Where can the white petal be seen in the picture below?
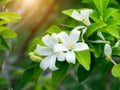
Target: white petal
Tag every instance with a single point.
(81, 46)
(79, 27)
(117, 43)
(49, 62)
(61, 56)
(70, 57)
(49, 41)
(74, 36)
(52, 61)
(101, 35)
(107, 50)
(45, 63)
(43, 50)
(64, 38)
(86, 22)
(59, 48)
(86, 13)
(75, 15)
(55, 38)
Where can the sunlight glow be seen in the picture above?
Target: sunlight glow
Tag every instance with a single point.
(30, 2)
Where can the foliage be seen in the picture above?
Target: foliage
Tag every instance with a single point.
(99, 29)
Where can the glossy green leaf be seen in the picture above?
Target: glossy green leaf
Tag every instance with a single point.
(31, 73)
(84, 59)
(110, 12)
(8, 33)
(95, 16)
(4, 2)
(3, 44)
(82, 74)
(3, 81)
(33, 44)
(113, 21)
(97, 51)
(116, 52)
(116, 71)
(112, 29)
(53, 29)
(101, 5)
(68, 12)
(59, 75)
(94, 27)
(3, 28)
(8, 17)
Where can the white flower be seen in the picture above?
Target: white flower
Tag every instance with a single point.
(83, 28)
(70, 44)
(108, 51)
(51, 56)
(83, 16)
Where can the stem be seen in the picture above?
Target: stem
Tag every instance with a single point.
(35, 29)
(113, 61)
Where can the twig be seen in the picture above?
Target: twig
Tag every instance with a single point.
(35, 29)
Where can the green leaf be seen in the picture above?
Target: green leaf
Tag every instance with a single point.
(59, 75)
(116, 52)
(116, 15)
(8, 17)
(112, 29)
(94, 27)
(4, 2)
(110, 12)
(68, 12)
(32, 73)
(116, 71)
(33, 44)
(3, 44)
(3, 28)
(101, 5)
(82, 74)
(3, 81)
(95, 16)
(113, 22)
(97, 48)
(8, 33)
(84, 59)
(53, 29)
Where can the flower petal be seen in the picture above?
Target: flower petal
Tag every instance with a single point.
(74, 36)
(45, 63)
(59, 48)
(75, 15)
(54, 38)
(81, 46)
(64, 38)
(52, 61)
(70, 57)
(107, 50)
(79, 27)
(49, 41)
(43, 50)
(61, 56)
(86, 13)
(49, 62)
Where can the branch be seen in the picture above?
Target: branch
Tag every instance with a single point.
(35, 29)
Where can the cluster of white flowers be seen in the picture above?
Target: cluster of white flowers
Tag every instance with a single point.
(61, 51)
(62, 46)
